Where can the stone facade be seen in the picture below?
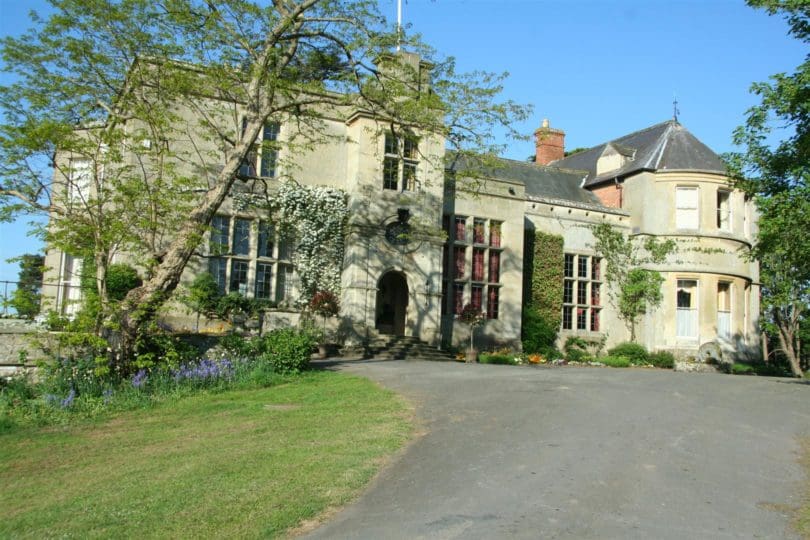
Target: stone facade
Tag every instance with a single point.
(423, 241)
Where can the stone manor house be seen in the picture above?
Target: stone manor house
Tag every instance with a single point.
(468, 238)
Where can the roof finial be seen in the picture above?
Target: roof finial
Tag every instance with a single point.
(675, 110)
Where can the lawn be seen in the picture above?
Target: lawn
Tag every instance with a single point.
(248, 463)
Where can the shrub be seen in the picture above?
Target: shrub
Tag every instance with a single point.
(506, 359)
(539, 334)
(662, 359)
(240, 347)
(742, 369)
(635, 353)
(287, 350)
(576, 349)
(121, 278)
(615, 361)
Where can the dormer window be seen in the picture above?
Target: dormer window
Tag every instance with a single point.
(613, 158)
(400, 162)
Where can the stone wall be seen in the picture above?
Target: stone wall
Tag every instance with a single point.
(18, 347)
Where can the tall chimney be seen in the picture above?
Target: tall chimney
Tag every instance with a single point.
(550, 144)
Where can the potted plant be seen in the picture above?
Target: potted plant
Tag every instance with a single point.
(325, 304)
(472, 316)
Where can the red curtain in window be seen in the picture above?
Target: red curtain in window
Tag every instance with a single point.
(459, 256)
(476, 296)
(478, 265)
(495, 234)
(458, 298)
(492, 303)
(461, 229)
(478, 232)
(494, 266)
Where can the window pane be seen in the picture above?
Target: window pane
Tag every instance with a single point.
(80, 174)
(478, 231)
(284, 283)
(217, 268)
(410, 147)
(266, 236)
(596, 294)
(461, 229)
(286, 245)
(569, 265)
(595, 320)
(241, 236)
(409, 177)
(239, 270)
(568, 292)
(724, 210)
(458, 297)
(391, 144)
(582, 319)
(478, 265)
(390, 173)
(582, 292)
(459, 256)
(596, 268)
(220, 232)
(582, 269)
(686, 208)
(495, 233)
(494, 266)
(493, 306)
(264, 280)
(269, 155)
(476, 296)
(567, 317)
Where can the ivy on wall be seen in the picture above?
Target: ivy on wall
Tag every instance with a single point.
(544, 272)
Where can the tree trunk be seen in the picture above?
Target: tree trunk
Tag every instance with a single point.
(787, 332)
(765, 353)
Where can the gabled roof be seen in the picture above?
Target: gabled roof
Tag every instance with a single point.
(664, 146)
(540, 182)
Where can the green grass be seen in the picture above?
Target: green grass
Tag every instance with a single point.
(246, 463)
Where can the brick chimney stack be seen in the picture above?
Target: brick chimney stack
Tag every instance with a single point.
(550, 144)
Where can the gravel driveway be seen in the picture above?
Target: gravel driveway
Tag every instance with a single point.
(522, 452)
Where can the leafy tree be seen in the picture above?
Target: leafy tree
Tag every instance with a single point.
(26, 297)
(153, 107)
(634, 290)
(777, 175)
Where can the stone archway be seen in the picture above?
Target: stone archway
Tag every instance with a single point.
(392, 303)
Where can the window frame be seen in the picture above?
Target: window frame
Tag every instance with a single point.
(400, 165)
(582, 292)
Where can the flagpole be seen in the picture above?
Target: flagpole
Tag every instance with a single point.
(399, 23)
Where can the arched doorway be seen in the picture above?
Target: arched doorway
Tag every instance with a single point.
(392, 303)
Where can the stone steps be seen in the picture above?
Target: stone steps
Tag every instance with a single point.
(402, 347)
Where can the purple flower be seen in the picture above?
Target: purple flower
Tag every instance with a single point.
(108, 393)
(139, 379)
(68, 401)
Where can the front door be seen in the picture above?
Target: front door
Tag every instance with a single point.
(392, 304)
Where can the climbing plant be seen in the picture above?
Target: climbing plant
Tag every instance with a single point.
(315, 216)
(544, 284)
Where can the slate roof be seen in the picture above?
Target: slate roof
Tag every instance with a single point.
(548, 182)
(664, 146)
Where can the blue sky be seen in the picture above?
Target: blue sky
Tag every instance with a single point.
(596, 69)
